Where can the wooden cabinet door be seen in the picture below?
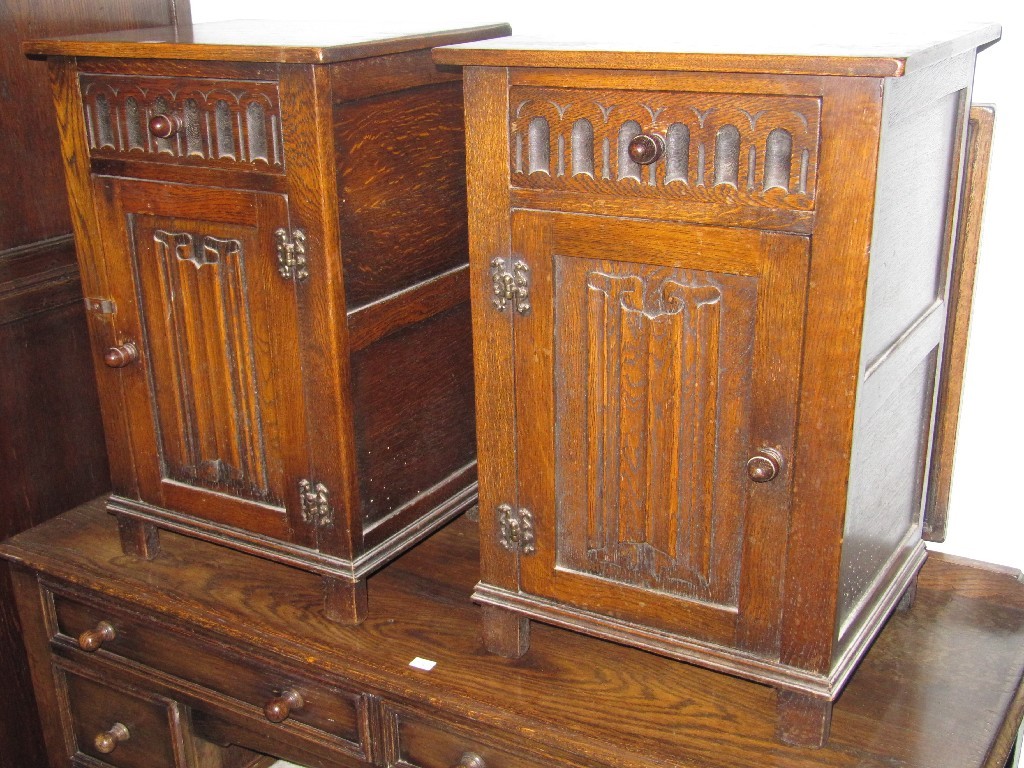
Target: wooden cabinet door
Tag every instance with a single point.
(654, 361)
(214, 404)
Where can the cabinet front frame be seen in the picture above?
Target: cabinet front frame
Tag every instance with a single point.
(841, 225)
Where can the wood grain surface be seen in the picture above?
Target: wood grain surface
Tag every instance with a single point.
(52, 451)
(294, 42)
(939, 688)
(877, 52)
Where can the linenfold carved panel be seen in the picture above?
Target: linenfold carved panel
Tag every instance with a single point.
(646, 364)
(219, 122)
(212, 434)
(719, 148)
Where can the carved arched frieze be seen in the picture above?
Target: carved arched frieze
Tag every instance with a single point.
(727, 148)
(219, 123)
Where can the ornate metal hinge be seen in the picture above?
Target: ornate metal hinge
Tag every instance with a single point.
(511, 286)
(291, 254)
(315, 503)
(99, 306)
(516, 530)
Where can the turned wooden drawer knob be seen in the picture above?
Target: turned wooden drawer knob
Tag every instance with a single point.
(471, 760)
(164, 126)
(646, 148)
(107, 741)
(277, 710)
(765, 466)
(92, 639)
(119, 357)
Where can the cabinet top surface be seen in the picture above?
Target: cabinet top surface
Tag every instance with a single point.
(938, 689)
(874, 53)
(302, 42)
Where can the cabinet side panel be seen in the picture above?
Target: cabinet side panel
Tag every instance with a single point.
(919, 170)
(401, 181)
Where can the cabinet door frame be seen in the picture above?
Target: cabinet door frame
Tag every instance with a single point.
(121, 201)
(781, 263)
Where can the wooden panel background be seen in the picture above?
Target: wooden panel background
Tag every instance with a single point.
(52, 454)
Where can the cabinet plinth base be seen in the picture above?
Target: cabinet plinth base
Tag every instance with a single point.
(345, 601)
(505, 633)
(803, 720)
(907, 601)
(138, 538)
(345, 595)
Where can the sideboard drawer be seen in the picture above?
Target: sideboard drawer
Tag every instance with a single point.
(424, 743)
(727, 149)
(283, 697)
(217, 123)
(119, 727)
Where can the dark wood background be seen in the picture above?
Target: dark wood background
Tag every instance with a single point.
(52, 453)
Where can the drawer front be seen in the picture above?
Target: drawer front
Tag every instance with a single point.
(293, 700)
(117, 726)
(425, 743)
(192, 121)
(728, 149)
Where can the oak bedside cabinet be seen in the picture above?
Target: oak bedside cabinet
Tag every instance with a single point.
(270, 223)
(709, 308)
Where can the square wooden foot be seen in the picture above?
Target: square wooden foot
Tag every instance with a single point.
(345, 601)
(803, 720)
(907, 601)
(138, 538)
(505, 633)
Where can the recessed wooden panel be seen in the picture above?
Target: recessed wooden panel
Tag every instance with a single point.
(920, 159)
(212, 434)
(412, 393)
(647, 361)
(402, 190)
(886, 492)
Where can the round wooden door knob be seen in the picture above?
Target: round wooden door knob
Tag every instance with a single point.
(278, 709)
(107, 741)
(164, 126)
(471, 760)
(646, 148)
(765, 466)
(92, 639)
(119, 357)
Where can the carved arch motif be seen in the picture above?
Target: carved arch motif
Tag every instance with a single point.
(762, 148)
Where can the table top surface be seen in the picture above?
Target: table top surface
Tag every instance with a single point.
(316, 42)
(877, 50)
(940, 688)
(790, 49)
